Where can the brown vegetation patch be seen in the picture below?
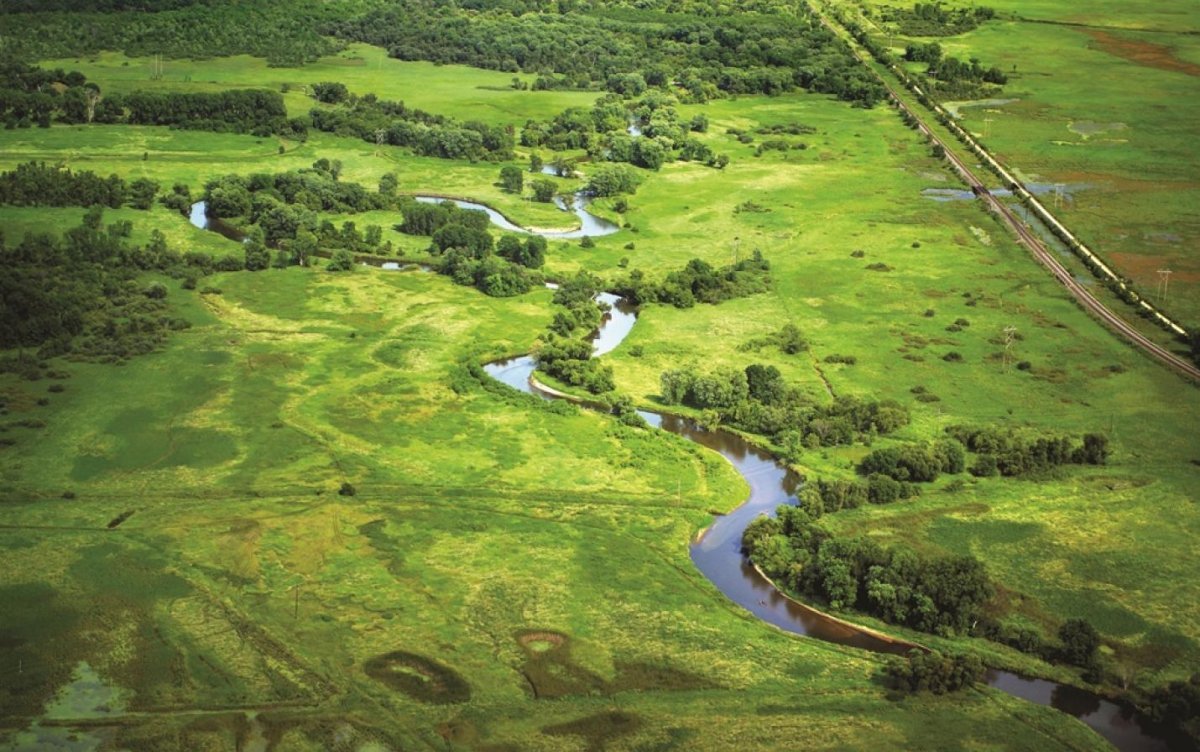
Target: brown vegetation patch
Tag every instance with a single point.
(1143, 268)
(418, 677)
(540, 641)
(1147, 54)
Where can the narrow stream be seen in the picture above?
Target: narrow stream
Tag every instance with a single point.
(589, 224)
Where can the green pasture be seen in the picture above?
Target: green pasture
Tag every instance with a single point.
(454, 90)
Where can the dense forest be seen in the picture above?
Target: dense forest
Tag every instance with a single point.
(285, 32)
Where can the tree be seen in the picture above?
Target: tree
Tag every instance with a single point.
(388, 184)
(511, 178)
(611, 180)
(142, 192)
(544, 190)
(330, 92)
(303, 247)
(342, 261)
(535, 163)
(257, 255)
(1079, 642)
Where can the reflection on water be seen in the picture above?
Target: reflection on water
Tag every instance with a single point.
(589, 224)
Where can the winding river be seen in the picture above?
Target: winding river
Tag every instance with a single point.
(717, 551)
(589, 224)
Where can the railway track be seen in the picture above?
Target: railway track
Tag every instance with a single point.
(1025, 236)
(1044, 256)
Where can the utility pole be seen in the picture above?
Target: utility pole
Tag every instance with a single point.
(1010, 333)
(1059, 192)
(1164, 282)
(380, 135)
(737, 242)
(987, 127)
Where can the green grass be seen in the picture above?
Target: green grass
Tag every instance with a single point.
(242, 580)
(458, 540)
(454, 90)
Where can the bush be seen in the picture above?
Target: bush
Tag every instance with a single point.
(933, 672)
(347, 490)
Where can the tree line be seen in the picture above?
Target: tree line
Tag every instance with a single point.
(38, 184)
(394, 123)
(765, 50)
(33, 96)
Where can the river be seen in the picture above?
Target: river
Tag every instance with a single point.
(717, 553)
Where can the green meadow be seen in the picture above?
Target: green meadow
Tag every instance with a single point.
(514, 574)
(454, 90)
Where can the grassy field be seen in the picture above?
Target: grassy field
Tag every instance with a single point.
(193, 158)
(1104, 103)
(454, 90)
(242, 582)
(511, 575)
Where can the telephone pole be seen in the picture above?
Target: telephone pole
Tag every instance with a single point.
(1059, 192)
(1164, 282)
(1010, 334)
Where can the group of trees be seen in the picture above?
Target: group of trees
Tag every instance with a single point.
(602, 131)
(938, 594)
(758, 400)
(396, 124)
(566, 352)
(285, 32)
(921, 671)
(1008, 452)
(80, 294)
(626, 49)
(30, 95)
(294, 197)
(949, 76)
(36, 184)
(467, 252)
(935, 20)
(699, 281)
(919, 463)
